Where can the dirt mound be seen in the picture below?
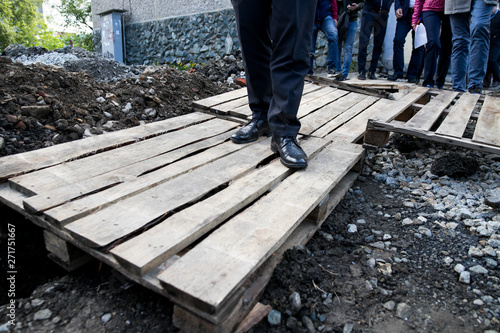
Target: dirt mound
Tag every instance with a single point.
(42, 105)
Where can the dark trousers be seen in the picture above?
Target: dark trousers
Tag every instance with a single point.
(376, 23)
(403, 26)
(493, 58)
(438, 48)
(275, 39)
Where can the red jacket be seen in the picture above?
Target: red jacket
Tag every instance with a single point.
(426, 5)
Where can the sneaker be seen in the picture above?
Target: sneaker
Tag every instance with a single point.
(341, 78)
(371, 76)
(495, 85)
(412, 80)
(475, 90)
(362, 76)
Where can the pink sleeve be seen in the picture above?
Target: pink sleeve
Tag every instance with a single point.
(333, 4)
(417, 11)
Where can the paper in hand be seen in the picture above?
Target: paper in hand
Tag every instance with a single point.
(420, 35)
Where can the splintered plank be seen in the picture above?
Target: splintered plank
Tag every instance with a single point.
(75, 171)
(38, 159)
(126, 216)
(384, 110)
(62, 212)
(430, 112)
(457, 119)
(488, 123)
(208, 275)
(320, 122)
(209, 102)
(312, 105)
(144, 252)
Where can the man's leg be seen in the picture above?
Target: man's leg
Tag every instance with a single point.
(348, 43)
(252, 19)
(315, 30)
(402, 29)
(379, 29)
(445, 51)
(460, 50)
(291, 26)
(493, 60)
(332, 36)
(480, 42)
(364, 38)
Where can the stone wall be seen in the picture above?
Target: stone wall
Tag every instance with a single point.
(203, 37)
(197, 38)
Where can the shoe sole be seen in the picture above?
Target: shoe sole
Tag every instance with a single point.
(275, 150)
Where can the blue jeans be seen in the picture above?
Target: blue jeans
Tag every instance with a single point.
(348, 43)
(471, 41)
(332, 36)
(438, 48)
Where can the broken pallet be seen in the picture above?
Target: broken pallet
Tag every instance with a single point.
(180, 209)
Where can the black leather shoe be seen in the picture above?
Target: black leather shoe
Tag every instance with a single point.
(395, 77)
(362, 76)
(412, 80)
(372, 76)
(251, 131)
(291, 155)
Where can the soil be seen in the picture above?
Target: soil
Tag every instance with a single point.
(377, 277)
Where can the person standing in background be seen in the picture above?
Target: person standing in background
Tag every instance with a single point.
(326, 21)
(275, 40)
(404, 13)
(470, 23)
(438, 47)
(493, 70)
(373, 19)
(351, 7)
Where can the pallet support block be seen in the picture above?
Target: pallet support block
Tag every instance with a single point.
(63, 253)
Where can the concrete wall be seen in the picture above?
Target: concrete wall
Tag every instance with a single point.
(138, 11)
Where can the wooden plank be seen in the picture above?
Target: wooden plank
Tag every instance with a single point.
(325, 120)
(488, 122)
(94, 165)
(212, 101)
(383, 109)
(53, 198)
(312, 105)
(457, 119)
(427, 115)
(219, 265)
(126, 216)
(34, 160)
(376, 125)
(74, 210)
(242, 112)
(224, 108)
(142, 253)
(315, 91)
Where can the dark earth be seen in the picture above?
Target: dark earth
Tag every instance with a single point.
(337, 289)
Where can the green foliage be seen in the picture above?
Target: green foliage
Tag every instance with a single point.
(76, 13)
(20, 22)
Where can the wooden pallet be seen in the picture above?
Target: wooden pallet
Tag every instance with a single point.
(180, 209)
(461, 119)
